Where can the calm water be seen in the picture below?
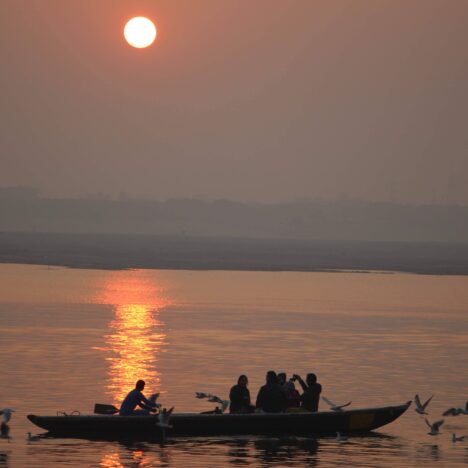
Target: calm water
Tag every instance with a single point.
(70, 338)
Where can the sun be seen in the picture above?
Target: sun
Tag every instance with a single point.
(140, 32)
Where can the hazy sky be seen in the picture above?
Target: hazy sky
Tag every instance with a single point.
(254, 100)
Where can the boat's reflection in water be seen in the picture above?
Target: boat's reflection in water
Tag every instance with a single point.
(136, 332)
(271, 452)
(253, 450)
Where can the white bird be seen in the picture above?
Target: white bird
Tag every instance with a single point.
(164, 417)
(457, 439)
(215, 399)
(421, 408)
(334, 407)
(31, 438)
(153, 399)
(340, 437)
(224, 405)
(434, 427)
(4, 427)
(454, 412)
(6, 413)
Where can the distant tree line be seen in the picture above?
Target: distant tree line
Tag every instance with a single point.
(24, 210)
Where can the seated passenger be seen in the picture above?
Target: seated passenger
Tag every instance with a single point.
(311, 396)
(136, 398)
(293, 397)
(282, 379)
(240, 397)
(271, 397)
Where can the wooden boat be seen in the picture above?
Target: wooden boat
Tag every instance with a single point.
(194, 425)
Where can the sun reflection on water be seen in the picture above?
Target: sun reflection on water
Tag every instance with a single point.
(113, 460)
(136, 333)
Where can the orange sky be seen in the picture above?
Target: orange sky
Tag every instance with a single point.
(258, 101)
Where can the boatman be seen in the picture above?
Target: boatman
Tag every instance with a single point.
(136, 398)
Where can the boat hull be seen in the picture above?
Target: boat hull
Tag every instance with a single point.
(195, 425)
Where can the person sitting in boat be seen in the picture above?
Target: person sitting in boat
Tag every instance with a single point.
(239, 397)
(293, 397)
(136, 398)
(312, 389)
(282, 379)
(271, 398)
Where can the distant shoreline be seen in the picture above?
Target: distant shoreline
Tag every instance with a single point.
(115, 252)
(106, 268)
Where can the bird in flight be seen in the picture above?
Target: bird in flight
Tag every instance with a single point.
(434, 427)
(421, 408)
(334, 407)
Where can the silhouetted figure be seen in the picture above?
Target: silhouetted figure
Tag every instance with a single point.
(240, 397)
(311, 396)
(271, 398)
(293, 397)
(136, 398)
(282, 378)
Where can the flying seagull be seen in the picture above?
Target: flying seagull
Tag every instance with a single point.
(6, 413)
(453, 412)
(334, 407)
(434, 427)
(4, 427)
(456, 411)
(163, 422)
(215, 399)
(457, 439)
(153, 399)
(164, 417)
(421, 408)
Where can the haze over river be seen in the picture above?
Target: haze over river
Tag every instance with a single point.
(71, 338)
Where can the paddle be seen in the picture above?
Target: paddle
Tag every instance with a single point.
(100, 408)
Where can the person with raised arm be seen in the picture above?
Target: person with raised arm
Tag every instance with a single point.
(312, 389)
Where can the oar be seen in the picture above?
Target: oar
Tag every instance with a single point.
(100, 408)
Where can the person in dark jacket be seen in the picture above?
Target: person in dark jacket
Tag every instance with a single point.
(312, 389)
(271, 398)
(240, 397)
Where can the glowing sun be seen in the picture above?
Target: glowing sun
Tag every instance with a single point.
(140, 32)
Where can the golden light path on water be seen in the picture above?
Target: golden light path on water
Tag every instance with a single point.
(136, 336)
(113, 460)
